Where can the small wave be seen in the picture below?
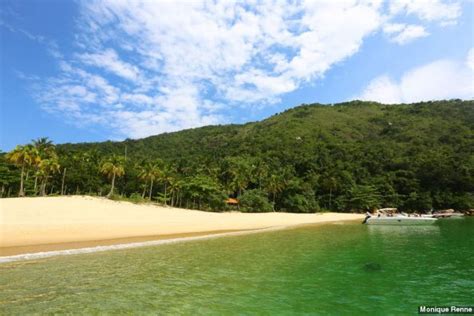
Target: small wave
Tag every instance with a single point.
(66, 252)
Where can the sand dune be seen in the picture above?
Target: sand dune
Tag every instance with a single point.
(53, 220)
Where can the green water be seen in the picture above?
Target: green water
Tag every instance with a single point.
(332, 269)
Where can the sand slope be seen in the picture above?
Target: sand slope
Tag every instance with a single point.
(45, 220)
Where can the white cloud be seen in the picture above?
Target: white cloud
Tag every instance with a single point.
(137, 99)
(442, 79)
(110, 61)
(393, 28)
(184, 61)
(382, 89)
(445, 13)
(403, 34)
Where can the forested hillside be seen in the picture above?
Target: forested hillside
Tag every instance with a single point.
(348, 156)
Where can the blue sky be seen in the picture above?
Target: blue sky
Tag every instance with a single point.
(79, 71)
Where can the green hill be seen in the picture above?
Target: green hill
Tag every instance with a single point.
(355, 155)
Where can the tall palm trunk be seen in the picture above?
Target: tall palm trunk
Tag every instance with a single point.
(151, 189)
(113, 185)
(62, 182)
(35, 189)
(165, 194)
(22, 192)
(330, 198)
(274, 196)
(43, 186)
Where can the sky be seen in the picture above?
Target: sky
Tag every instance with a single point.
(82, 71)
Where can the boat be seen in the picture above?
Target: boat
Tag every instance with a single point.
(447, 214)
(387, 217)
(399, 220)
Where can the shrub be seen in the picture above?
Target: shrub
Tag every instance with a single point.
(136, 198)
(300, 203)
(255, 201)
(418, 202)
(463, 202)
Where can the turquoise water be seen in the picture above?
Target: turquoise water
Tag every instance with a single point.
(328, 269)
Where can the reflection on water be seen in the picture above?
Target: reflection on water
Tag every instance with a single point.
(392, 231)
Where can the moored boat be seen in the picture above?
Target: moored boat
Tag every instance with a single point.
(447, 214)
(388, 216)
(399, 220)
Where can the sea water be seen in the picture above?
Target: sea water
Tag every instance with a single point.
(340, 268)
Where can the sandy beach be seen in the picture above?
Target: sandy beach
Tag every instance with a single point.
(31, 224)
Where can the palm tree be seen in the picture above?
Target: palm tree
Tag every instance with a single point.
(47, 167)
(275, 184)
(23, 157)
(43, 144)
(46, 150)
(331, 183)
(166, 176)
(260, 171)
(241, 172)
(113, 167)
(150, 172)
(174, 188)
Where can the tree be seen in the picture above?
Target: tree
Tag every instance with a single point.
(261, 171)
(44, 146)
(255, 201)
(149, 173)
(274, 185)
(240, 170)
(331, 184)
(46, 151)
(175, 187)
(418, 201)
(298, 196)
(166, 177)
(364, 197)
(46, 168)
(206, 191)
(113, 167)
(23, 157)
(8, 175)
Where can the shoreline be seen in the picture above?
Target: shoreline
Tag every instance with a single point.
(130, 245)
(68, 224)
(23, 256)
(29, 249)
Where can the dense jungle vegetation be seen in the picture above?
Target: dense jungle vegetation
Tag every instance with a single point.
(349, 156)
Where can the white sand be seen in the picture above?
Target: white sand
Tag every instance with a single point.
(47, 220)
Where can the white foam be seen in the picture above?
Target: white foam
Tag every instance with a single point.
(47, 254)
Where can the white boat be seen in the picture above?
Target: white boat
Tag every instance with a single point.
(447, 214)
(399, 220)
